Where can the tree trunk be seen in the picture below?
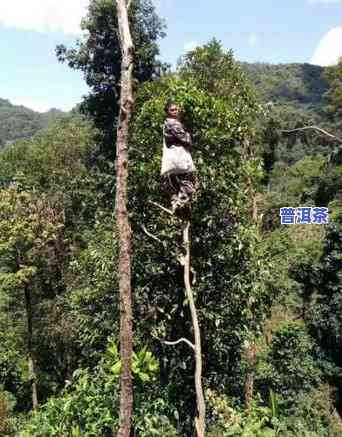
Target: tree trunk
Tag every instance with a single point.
(123, 226)
(249, 380)
(200, 419)
(30, 359)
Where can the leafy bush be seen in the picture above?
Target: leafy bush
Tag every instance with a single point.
(89, 404)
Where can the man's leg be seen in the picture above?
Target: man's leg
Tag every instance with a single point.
(187, 188)
(171, 185)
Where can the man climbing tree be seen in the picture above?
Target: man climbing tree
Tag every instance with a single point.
(178, 172)
(178, 169)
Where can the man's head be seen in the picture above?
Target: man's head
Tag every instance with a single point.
(171, 109)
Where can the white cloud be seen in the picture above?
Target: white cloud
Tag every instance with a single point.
(252, 40)
(38, 105)
(329, 49)
(190, 45)
(43, 15)
(326, 2)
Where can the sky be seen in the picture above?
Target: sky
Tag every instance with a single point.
(257, 30)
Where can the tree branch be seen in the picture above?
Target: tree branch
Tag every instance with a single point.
(168, 211)
(143, 227)
(200, 419)
(194, 275)
(184, 340)
(318, 129)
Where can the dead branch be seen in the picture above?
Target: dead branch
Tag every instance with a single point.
(318, 129)
(171, 343)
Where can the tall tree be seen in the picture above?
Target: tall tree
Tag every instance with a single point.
(98, 57)
(124, 230)
(30, 231)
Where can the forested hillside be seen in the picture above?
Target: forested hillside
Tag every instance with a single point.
(299, 86)
(268, 295)
(302, 85)
(18, 122)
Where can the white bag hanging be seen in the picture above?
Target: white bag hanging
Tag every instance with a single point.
(176, 160)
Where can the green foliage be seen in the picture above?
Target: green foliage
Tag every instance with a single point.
(57, 162)
(31, 247)
(333, 76)
(13, 368)
(88, 406)
(85, 408)
(214, 70)
(232, 296)
(6, 406)
(329, 188)
(302, 84)
(144, 365)
(298, 183)
(229, 420)
(291, 364)
(91, 299)
(326, 321)
(98, 57)
(251, 279)
(18, 122)
(313, 416)
(30, 229)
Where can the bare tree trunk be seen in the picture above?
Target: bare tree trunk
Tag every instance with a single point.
(200, 419)
(124, 230)
(249, 380)
(30, 359)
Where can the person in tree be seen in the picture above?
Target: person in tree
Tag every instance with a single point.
(178, 170)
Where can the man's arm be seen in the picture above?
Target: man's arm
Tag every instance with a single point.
(175, 134)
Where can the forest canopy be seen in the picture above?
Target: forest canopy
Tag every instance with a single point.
(268, 296)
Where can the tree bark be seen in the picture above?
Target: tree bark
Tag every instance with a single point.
(30, 358)
(200, 419)
(123, 226)
(249, 380)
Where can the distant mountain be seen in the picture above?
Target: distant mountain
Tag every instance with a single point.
(299, 85)
(18, 122)
(297, 88)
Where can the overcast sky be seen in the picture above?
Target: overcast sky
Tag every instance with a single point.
(257, 31)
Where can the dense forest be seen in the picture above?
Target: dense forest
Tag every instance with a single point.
(18, 122)
(299, 86)
(268, 295)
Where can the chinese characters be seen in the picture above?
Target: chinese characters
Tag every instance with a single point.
(304, 215)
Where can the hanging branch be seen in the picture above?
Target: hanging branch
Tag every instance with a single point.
(181, 340)
(168, 211)
(149, 234)
(200, 419)
(318, 129)
(123, 226)
(196, 346)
